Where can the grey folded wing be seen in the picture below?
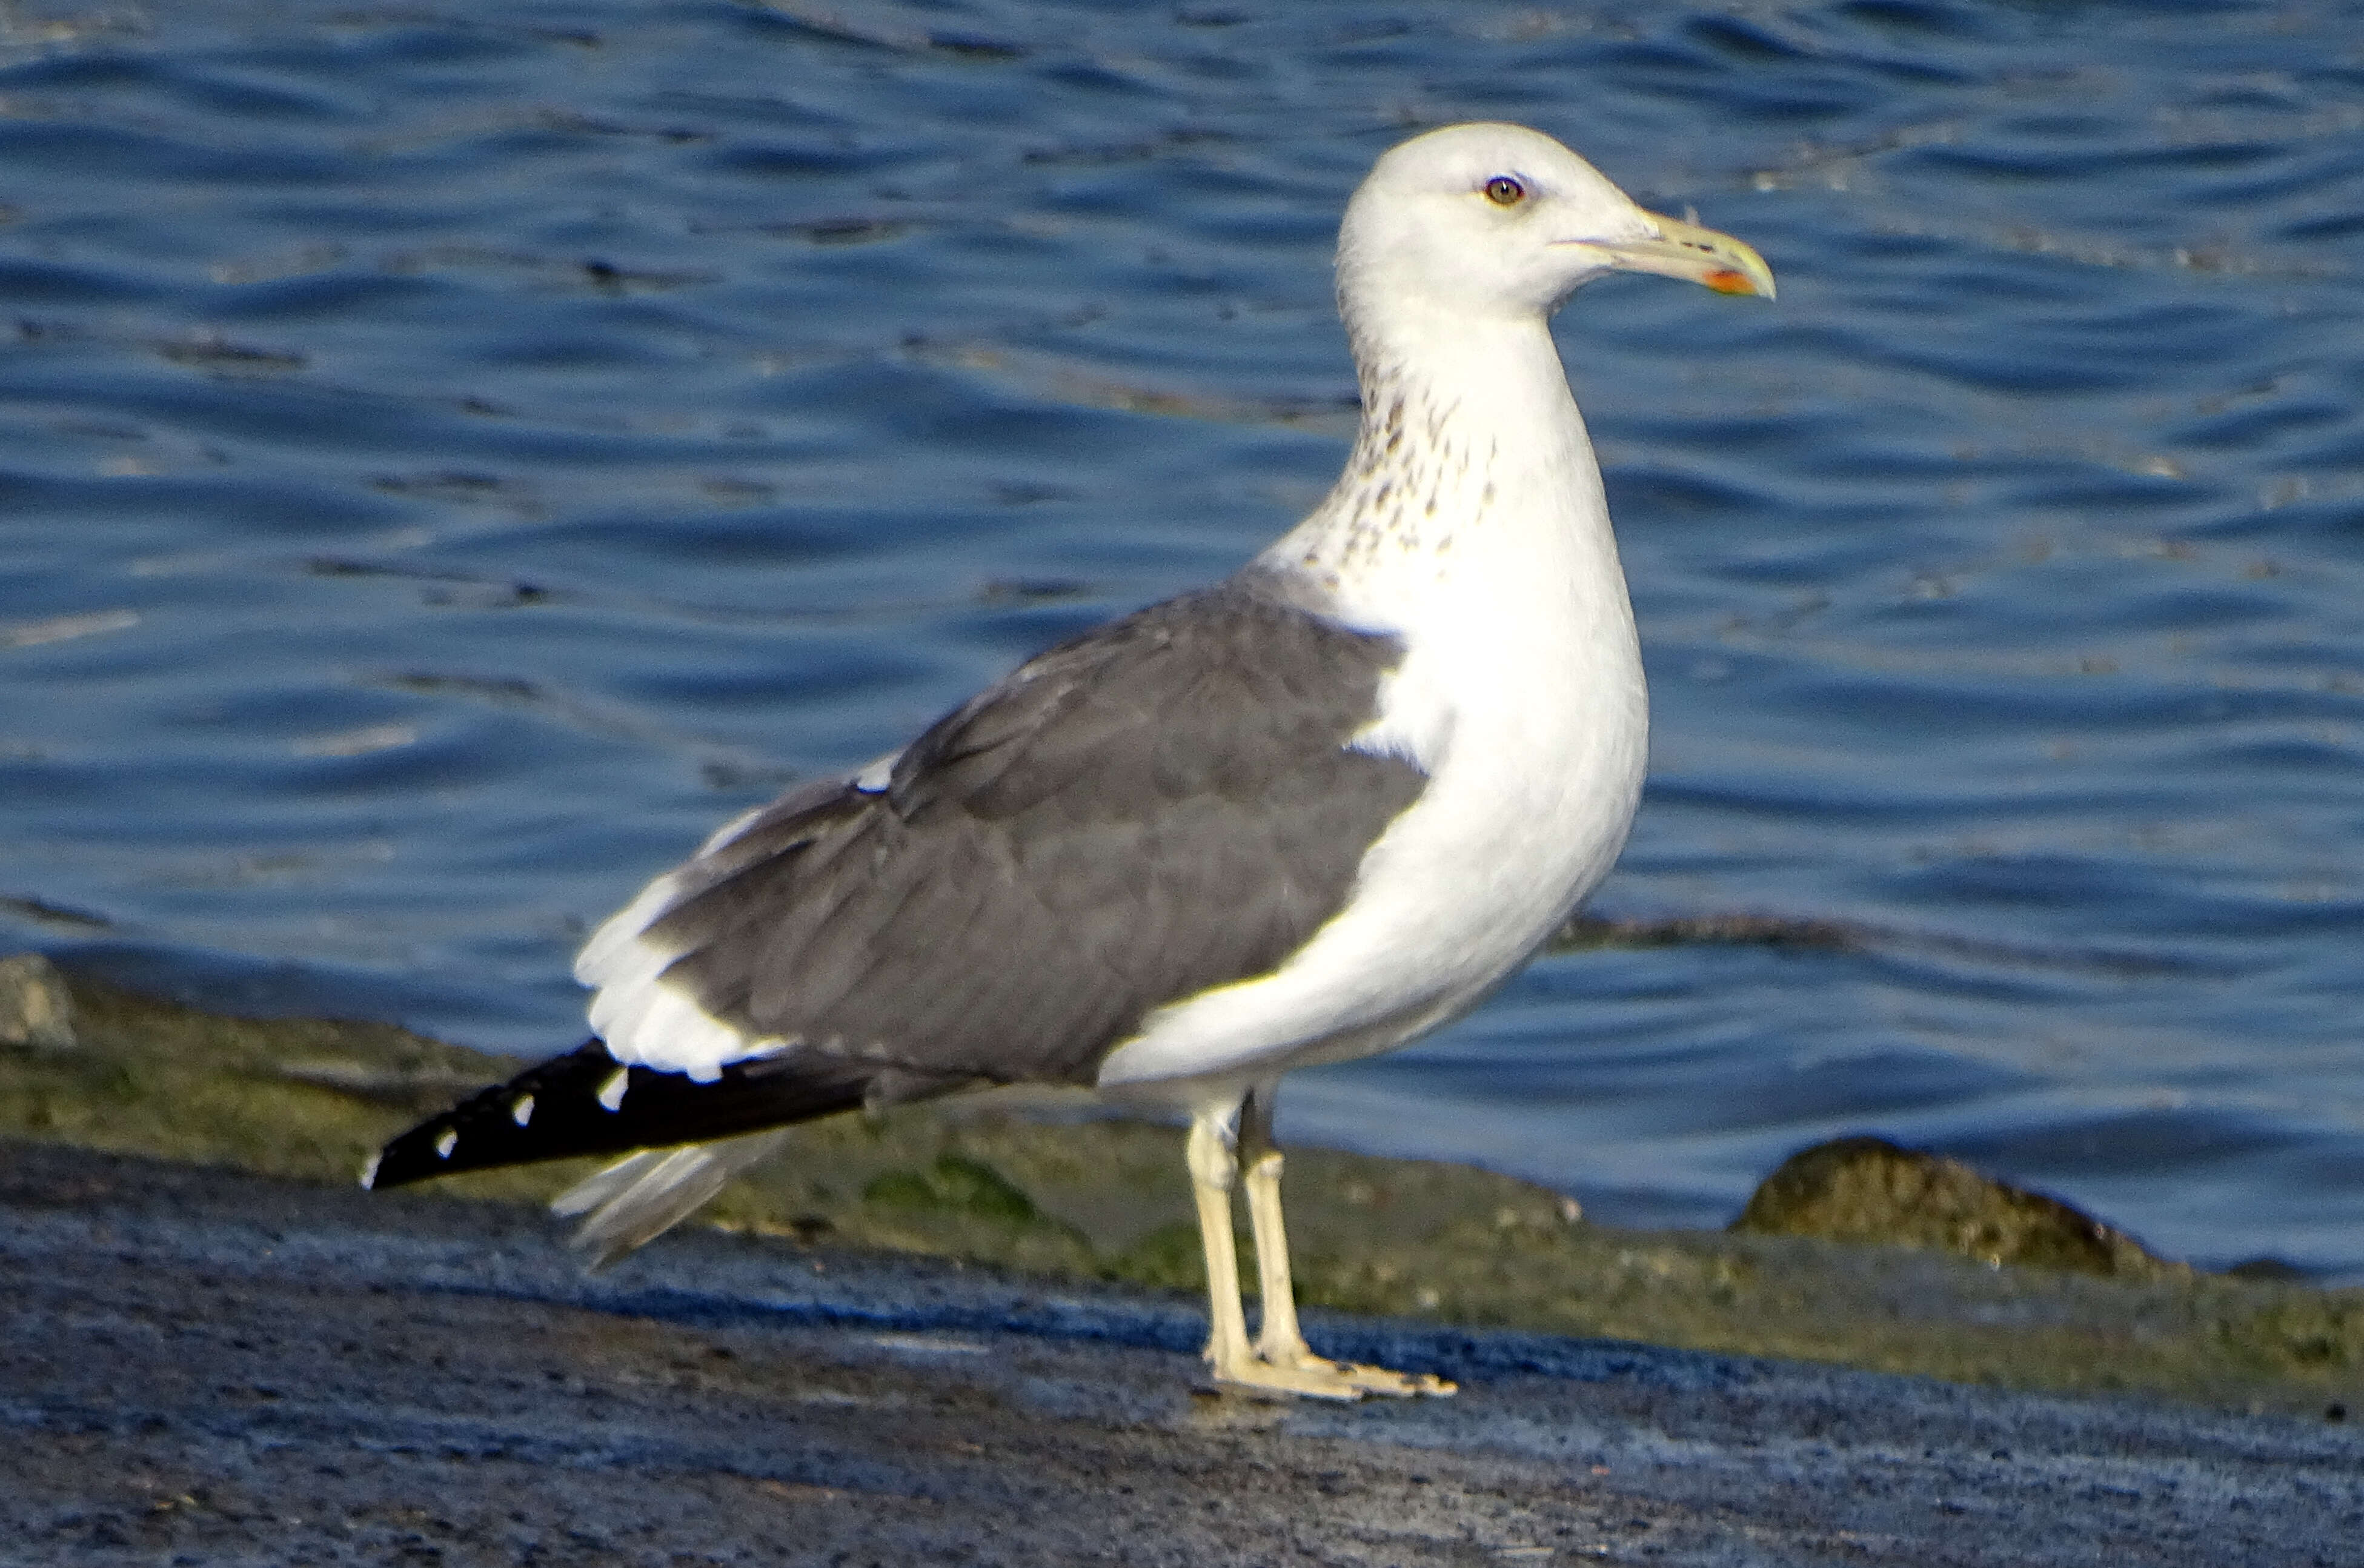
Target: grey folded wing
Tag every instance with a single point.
(1168, 803)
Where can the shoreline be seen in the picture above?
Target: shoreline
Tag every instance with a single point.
(1024, 1188)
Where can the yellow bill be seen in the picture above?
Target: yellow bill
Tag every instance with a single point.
(1686, 250)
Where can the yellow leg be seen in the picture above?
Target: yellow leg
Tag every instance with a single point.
(1279, 1340)
(1281, 1343)
(1212, 1169)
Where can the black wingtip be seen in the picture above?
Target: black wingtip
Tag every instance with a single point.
(587, 1102)
(543, 1113)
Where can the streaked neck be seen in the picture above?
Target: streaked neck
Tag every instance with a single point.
(1471, 472)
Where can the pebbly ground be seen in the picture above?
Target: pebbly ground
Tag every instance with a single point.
(202, 1366)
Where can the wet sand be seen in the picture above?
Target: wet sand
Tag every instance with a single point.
(205, 1366)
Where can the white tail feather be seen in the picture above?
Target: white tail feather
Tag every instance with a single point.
(642, 1195)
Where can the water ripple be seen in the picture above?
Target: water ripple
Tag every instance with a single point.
(453, 461)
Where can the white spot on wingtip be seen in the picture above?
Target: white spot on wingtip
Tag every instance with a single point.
(445, 1144)
(611, 1093)
(522, 1112)
(369, 1171)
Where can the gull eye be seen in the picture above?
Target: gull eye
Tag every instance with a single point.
(1503, 191)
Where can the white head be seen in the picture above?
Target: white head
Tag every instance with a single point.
(1497, 221)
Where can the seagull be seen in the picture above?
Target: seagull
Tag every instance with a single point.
(1304, 815)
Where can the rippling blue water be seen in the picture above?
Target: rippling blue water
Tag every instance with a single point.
(454, 458)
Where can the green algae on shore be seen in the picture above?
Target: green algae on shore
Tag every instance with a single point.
(1039, 1188)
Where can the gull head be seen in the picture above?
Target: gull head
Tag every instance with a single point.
(1497, 221)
